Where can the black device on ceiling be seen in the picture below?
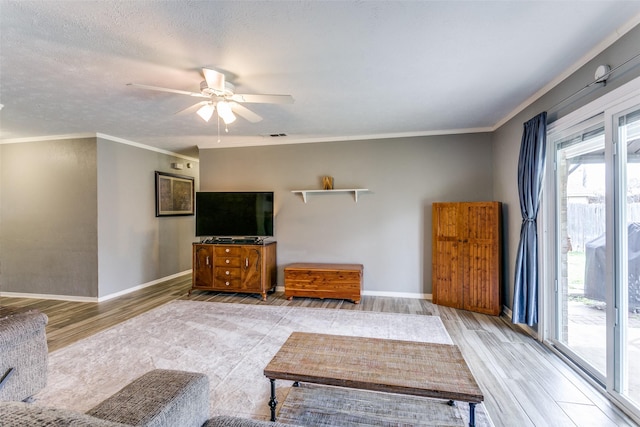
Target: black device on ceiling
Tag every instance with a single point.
(234, 214)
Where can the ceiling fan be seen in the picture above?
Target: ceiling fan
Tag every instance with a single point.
(220, 96)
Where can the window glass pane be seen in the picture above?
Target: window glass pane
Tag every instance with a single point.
(629, 281)
(581, 246)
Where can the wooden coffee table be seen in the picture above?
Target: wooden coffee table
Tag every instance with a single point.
(393, 366)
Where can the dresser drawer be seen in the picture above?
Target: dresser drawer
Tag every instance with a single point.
(227, 261)
(226, 283)
(227, 273)
(231, 250)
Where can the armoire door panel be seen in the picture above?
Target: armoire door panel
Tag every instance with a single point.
(445, 222)
(446, 275)
(480, 293)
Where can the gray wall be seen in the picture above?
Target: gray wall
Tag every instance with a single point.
(134, 246)
(389, 229)
(506, 139)
(49, 207)
(78, 219)
(1, 236)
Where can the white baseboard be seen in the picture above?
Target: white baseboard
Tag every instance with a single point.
(397, 294)
(507, 312)
(174, 276)
(75, 298)
(525, 328)
(72, 298)
(142, 286)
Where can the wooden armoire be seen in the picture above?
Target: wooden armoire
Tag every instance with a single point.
(466, 270)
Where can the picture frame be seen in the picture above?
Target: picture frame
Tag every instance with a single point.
(174, 194)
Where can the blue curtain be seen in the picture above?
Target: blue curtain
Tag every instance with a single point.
(530, 175)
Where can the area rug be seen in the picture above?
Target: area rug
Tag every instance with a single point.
(231, 343)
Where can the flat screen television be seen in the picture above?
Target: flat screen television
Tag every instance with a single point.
(234, 214)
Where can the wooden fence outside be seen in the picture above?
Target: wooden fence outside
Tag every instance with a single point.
(587, 222)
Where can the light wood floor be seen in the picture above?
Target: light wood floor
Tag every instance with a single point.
(523, 382)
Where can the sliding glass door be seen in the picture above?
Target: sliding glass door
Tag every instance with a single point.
(595, 290)
(581, 244)
(627, 290)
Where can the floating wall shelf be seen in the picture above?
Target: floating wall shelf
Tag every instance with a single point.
(355, 192)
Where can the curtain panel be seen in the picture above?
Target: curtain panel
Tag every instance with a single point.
(530, 176)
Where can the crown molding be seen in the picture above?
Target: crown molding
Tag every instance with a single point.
(96, 135)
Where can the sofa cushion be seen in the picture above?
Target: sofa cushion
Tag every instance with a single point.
(18, 325)
(161, 397)
(19, 414)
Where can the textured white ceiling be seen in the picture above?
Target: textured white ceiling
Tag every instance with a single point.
(355, 69)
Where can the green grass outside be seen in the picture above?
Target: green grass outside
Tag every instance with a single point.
(575, 271)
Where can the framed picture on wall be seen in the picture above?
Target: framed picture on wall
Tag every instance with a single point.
(174, 194)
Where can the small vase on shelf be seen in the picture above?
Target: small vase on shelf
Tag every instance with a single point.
(327, 183)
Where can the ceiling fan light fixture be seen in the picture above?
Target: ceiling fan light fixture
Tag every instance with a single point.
(225, 113)
(220, 95)
(206, 111)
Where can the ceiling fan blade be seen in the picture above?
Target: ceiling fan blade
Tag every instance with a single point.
(245, 113)
(164, 89)
(192, 108)
(215, 79)
(263, 98)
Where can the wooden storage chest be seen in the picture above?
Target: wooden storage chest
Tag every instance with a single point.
(339, 281)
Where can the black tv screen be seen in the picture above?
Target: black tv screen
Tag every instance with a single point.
(229, 214)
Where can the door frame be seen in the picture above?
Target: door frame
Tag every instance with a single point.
(611, 104)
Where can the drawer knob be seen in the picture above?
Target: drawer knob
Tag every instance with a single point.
(227, 272)
(226, 283)
(227, 261)
(227, 250)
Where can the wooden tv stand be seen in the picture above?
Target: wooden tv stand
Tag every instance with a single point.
(228, 267)
(340, 281)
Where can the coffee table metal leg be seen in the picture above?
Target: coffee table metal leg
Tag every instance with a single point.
(273, 401)
(472, 414)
